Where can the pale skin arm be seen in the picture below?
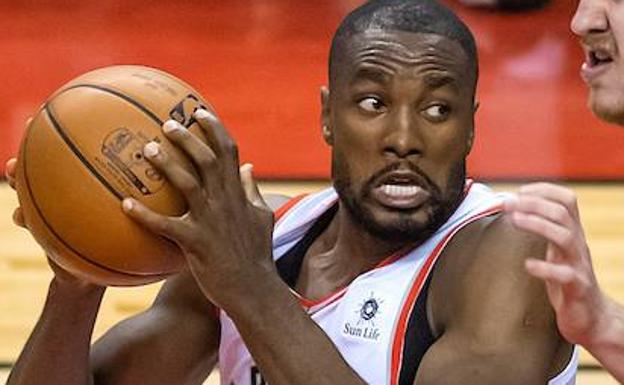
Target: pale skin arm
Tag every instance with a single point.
(498, 327)
(585, 315)
(175, 341)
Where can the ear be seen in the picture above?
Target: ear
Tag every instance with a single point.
(470, 141)
(326, 128)
(471, 134)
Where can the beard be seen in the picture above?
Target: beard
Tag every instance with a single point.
(403, 228)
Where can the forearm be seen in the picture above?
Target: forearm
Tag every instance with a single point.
(608, 344)
(57, 351)
(286, 344)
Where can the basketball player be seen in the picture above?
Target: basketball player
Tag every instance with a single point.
(585, 315)
(403, 273)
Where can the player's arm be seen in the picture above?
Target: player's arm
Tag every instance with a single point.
(585, 315)
(497, 326)
(57, 351)
(227, 241)
(174, 341)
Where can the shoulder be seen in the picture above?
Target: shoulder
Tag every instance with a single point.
(495, 243)
(500, 244)
(482, 298)
(482, 269)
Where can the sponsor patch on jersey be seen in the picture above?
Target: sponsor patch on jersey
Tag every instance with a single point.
(364, 322)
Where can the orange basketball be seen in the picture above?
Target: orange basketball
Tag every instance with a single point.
(82, 155)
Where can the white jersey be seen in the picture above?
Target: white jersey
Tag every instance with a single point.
(378, 322)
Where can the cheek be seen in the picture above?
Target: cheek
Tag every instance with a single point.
(349, 159)
(448, 149)
(448, 144)
(356, 144)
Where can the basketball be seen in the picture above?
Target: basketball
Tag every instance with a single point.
(82, 155)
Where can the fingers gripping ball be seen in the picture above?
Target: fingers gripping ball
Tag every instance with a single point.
(82, 155)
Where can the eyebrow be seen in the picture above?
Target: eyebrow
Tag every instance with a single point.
(370, 74)
(432, 81)
(439, 81)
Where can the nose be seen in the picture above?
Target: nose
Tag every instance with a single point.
(590, 17)
(403, 137)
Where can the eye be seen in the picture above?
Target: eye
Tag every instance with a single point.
(371, 104)
(437, 112)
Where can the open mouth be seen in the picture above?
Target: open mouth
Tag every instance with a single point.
(596, 58)
(401, 190)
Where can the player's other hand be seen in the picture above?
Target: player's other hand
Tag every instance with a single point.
(551, 211)
(60, 274)
(11, 164)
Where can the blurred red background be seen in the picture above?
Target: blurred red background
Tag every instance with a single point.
(261, 63)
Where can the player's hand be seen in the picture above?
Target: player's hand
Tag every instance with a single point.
(551, 211)
(10, 166)
(60, 274)
(226, 233)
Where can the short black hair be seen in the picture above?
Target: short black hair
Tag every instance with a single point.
(417, 16)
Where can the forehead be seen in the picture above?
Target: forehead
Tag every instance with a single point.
(392, 51)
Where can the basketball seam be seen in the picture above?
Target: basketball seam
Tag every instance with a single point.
(56, 235)
(72, 146)
(125, 97)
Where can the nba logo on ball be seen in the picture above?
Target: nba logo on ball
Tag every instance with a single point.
(183, 111)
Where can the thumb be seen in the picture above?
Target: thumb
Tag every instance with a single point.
(251, 188)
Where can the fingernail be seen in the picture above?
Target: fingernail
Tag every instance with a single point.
(151, 149)
(202, 114)
(127, 204)
(171, 126)
(247, 167)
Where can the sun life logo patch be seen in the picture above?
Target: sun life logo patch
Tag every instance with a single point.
(364, 326)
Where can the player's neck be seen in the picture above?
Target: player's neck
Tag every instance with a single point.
(341, 253)
(355, 246)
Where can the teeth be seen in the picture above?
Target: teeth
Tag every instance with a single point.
(599, 57)
(399, 190)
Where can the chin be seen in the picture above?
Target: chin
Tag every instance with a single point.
(608, 106)
(399, 226)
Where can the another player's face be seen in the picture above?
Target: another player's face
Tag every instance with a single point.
(400, 119)
(600, 25)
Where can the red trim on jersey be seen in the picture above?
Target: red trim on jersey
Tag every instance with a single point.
(325, 301)
(398, 344)
(279, 213)
(339, 293)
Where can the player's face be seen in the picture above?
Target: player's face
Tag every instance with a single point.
(399, 116)
(600, 26)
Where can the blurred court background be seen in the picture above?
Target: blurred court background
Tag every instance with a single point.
(261, 63)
